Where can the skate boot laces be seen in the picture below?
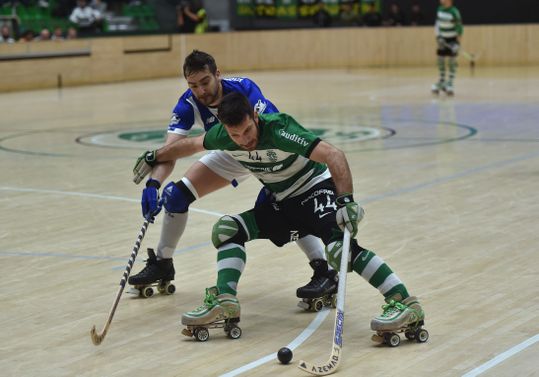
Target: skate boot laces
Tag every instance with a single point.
(392, 308)
(209, 301)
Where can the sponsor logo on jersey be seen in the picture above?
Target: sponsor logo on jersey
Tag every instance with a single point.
(210, 119)
(260, 106)
(272, 156)
(238, 79)
(268, 169)
(295, 138)
(175, 119)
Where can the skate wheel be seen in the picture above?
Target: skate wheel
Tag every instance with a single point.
(421, 335)
(201, 334)
(167, 289)
(392, 339)
(234, 332)
(171, 289)
(146, 292)
(318, 305)
(410, 335)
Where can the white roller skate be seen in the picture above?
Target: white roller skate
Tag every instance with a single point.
(321, 290)
(218, 311)
(406, 316)
(157, 273)
(448, 89)
(437, 87)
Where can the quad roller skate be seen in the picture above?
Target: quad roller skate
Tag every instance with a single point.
(157, 273)
(218, 311)
(448, 89)
(321, 290)
(437, 87)
(406, 316)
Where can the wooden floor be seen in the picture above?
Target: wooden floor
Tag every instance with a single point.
(449, 185)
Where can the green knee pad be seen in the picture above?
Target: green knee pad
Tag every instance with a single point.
(333, 255)
(226, 230)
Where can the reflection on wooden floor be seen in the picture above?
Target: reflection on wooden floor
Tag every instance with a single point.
(449, 186)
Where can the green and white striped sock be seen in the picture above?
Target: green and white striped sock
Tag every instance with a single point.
(230, 263)
(452, 70)
(373, 269)
(441, 69)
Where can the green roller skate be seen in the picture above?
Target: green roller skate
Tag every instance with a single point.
(406, 316)
(217, 311)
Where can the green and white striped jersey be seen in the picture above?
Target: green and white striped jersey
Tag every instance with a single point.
(281, 158)
(448, 22)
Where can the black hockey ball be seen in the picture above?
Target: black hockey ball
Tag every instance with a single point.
(284, 355)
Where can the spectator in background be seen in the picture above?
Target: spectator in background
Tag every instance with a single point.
(58, 34)
(5, 35)
(44, 35)
(395, 16)
(416, 15)
(72, 33)
(186, 25)
(27, 36)
(191, 15)
(347, 16)
(87, 19)
(196, 13)
(321, 17)
(99, 6)
(372, 17)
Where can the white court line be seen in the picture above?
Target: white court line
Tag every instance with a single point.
(97, 196)
(305, 334)
(502, 357)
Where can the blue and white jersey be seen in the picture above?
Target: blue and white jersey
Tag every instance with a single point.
(189, 111)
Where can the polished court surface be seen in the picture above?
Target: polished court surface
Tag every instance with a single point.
(449, 185)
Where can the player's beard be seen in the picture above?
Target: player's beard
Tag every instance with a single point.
(211, 99)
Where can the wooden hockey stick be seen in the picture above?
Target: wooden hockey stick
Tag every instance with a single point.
(471, 57)
(336, 350)
(98, 338)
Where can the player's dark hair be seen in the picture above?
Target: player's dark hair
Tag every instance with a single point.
(198, 61)
(233, 109)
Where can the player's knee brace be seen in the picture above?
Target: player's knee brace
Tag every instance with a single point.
(228, 230)
(334, 252)
(177, 197)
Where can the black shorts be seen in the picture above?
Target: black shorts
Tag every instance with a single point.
(444, 48)
(312, 212)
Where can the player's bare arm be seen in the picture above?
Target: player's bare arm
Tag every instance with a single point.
(161, 172)
(349, 212)
(337, 164)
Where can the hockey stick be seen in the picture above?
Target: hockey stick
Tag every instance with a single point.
(98, 338)
(471, 57)
(336, 350)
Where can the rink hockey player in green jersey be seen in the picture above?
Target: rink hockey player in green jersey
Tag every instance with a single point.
(310, 189)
